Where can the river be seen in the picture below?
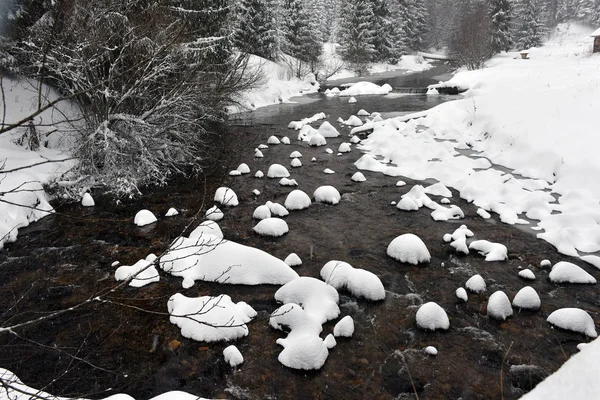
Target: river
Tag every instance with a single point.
(106, 349)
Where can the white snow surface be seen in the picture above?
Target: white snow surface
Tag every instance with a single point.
(491, 251)
(144, 217)
(327, 130)
(233, 356)
(499, 306)
(344, 327)
(297, 200)
(362, 88)
(566, 272)
(87, 200)
(210, 318)
(431, 316)
(277, 171)
(359, 282)
(214, 214)
(527, 298)
(318, 299)
(476, 284)
(358, 177)
(273, 227)
(461, 294)
(408, 248)
(573, 319)
(143, 272)
(293, 260)
(327, 194)
(226, 197)
(438, 189)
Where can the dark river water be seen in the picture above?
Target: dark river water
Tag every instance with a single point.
(105, 348)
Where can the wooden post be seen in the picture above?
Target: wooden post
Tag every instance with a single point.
(596, 45)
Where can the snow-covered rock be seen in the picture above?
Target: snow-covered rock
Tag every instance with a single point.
(446, 213)
(359, 282)
(592, 260)
(327, 194)
(232, 356)
(328, 131)
(259, 174)
(296, 163)
(293, 260)
(214, 214)
(354, 140)
(344, 148)
(438, 189)
(358, 177)
(527, 274)
(491, 251)
(527, 298)
(258, 154)
(458, 239)
(317, 140)
(431, 316)
(318, 299)
(235, 172)
(262, 147)
(285, 140)
(277, 210)
(288, 182)
(87, 200)
(499, 306)
(432, 351)
(295, 154)
(483, 214)
(400, 183)
(328, 151)
(226, 197)
(545, 263)
(171, 212)
(418, 195)
(330, 341)
(144, 217)
(344, 327)
(277, 171)
(353, 121)
(566, 272)
(256, 192)
(261, 212)
(362, 113)
(407, 204)
(143, 272)
(274, 227)
(408, 248)
(297, 200)
(362, 88)
(243, 168)
(351, 100)
(273, 140)
(328, 171)
(573, 319)
(461, 294)
(209, 319)
(476, 284)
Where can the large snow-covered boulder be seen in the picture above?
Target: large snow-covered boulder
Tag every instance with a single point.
(328, 131)
(408, 248)
(209, 319)
(327, 194)
(573, 319)
(431, 316)
(226, 197)
(359, 282)
(297, 200)
(566, 272)
(277, 171)
(498, 306)
(274, 227)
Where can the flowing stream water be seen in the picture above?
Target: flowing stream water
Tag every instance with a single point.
(104, 348)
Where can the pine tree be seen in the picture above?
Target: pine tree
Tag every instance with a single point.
(501, 18)
(300, 39)
(415, 24)
(256, 30)
(399, 10)
(384, 33)
(357, 34)
(531, 25)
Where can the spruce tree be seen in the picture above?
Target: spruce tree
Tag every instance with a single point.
(300, 39)
(501, 19)
(384, 33)
(256, 30)
(416, 24)
(357, 34)
(531, 25)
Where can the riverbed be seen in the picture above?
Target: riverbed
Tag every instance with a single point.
(107, 348)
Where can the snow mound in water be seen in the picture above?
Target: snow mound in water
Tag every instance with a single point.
(483, 214)
(285, 140)
(354, 140)
(274, 227)
(328, 151)
(328, 171)
(353, 121)
(431, 316)
(327, 194)
(407, 204)
(232, 356)
(362, 88)
(243, 168)
(295, 154)
(317, 140)
(171, 212)
(235, 172)
(418, 195)
(288, 182)
(527, 298)
(328, 131)
(573, 319)
(409, 248)
(258, 154)
(293, 260)
(226, 197)
(444, 214)
(564, 271)
(261, 212)
(299, 124)
(210, 319)
(476, 284)
(351, 100)
(491, 251)
(212, 259)
(498, 306)
(344, 327)
(143, 270)
(461, 294)
(297, 200)
(317, 298)
(207, 229)
(458, 239)
(144, 217)
(432, 351)
(277, 210)
(358, 177)
(277, 171)
(438, 189)
(359, 282)
(259, 174)
(527, 274)
(273, 140)
(87, 200)
(214, 214)
(362, 113)
(296, 163)
(330, 341)
(344, 148)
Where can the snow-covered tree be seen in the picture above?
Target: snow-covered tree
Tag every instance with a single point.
(469, 42)
(501, 29)
(300, 39)
(383, 42)
(415, 25)
(256, 28)
(357, 34)
(531, 25)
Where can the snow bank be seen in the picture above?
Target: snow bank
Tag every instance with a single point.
(431, 316)
(573, 319)
(362, 88)
(408, 248)
(209, 319)
(359, 282)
